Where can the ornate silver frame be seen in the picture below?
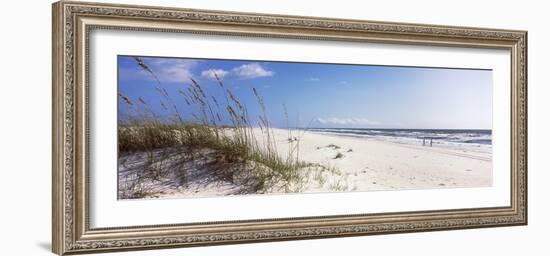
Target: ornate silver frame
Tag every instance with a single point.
(72, 22)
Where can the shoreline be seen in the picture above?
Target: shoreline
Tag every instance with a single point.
(375, 164)
(440, 141)
(349, 164)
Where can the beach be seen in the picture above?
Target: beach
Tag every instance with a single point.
(370, 163)
(349, 163)
(412, 129)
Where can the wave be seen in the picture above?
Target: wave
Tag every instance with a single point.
(417, 136)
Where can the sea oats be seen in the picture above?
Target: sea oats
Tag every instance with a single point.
(126, 99)
(145, 67)
(142, 101)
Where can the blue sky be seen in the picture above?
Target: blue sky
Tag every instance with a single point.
(323, 95)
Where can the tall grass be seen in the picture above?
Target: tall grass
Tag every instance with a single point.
(237, 143)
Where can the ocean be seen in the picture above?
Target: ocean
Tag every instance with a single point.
(439, 137)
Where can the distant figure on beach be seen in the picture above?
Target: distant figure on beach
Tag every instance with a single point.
(424, 141)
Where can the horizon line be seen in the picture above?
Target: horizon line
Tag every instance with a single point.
(387, 128)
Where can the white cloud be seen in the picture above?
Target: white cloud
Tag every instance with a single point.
(251, 70)
(313, 79)
(173, 70)
(211, 73)
(353, 121)
(246, 71)
(166, 70)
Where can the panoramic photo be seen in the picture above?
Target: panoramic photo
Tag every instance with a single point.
(209, 127)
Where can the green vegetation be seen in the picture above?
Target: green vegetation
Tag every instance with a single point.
(232, 148)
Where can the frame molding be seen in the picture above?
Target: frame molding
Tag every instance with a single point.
(72, 22)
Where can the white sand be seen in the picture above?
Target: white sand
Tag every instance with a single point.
(382, 165)
(366, 164)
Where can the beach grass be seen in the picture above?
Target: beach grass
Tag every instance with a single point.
(235, 144)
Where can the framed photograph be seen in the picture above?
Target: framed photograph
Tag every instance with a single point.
(179, 127)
